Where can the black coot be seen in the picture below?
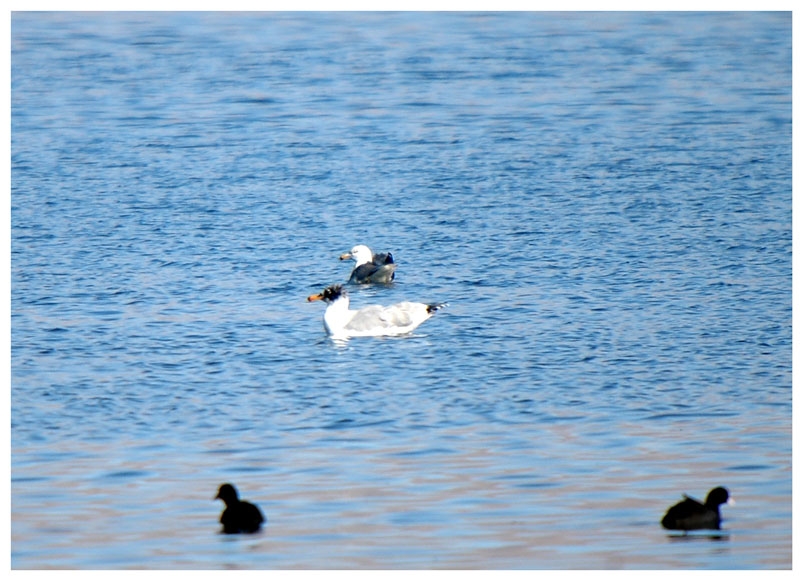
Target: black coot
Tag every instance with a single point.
(239, 517)
(690, 514)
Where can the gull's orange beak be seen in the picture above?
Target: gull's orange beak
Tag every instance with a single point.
(315, 297)
(346, 256)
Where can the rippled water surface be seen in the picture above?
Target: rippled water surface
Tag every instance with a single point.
(604, 200)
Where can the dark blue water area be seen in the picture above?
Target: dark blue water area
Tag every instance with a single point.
(602, 199)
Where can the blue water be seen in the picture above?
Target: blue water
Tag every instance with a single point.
(604, 200)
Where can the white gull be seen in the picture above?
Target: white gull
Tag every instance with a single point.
(341, 322)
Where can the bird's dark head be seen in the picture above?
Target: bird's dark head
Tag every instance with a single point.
(330, 294)
(717, 496)
(227, 493)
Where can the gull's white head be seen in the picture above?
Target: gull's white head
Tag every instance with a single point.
(361, 254)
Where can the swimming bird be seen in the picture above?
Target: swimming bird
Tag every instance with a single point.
(239, 516)
(690, 514)
(370, 267)
(341, 322)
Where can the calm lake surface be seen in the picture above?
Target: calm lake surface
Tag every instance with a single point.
(604, 200)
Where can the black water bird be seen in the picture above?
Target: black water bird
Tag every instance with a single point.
(239, 517)
(690, 514)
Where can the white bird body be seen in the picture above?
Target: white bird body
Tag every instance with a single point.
(341, 322)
